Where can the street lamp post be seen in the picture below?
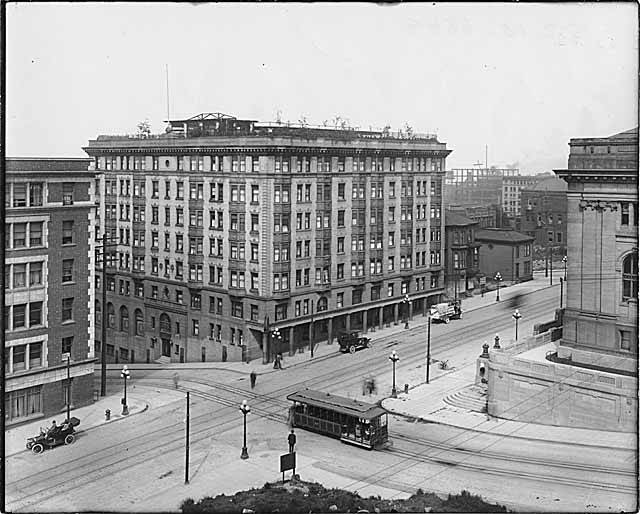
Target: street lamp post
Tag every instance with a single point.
(561, 290)
(516, 315)
(428, 343)
(245, 409)
(125, 376)
(498, 278)
(186, 447)
(407, 303)
(276, 338)
(496, 343)
(394, 358)
(564, 261)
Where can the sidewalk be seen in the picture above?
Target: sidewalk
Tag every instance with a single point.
(139, 399)
(323, 349)
(426, 402)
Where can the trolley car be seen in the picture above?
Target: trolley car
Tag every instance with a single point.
(351, 421)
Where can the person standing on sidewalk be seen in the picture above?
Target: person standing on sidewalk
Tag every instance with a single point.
(292, 441)
(176, 377)
(252, 378)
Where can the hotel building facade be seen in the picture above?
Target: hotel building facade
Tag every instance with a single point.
(48, 286)
(237, 240)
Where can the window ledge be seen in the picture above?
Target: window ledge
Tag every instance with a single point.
(68, 322)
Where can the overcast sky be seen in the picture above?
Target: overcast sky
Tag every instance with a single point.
(520, 78)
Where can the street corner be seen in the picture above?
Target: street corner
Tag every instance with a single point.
(155, 397)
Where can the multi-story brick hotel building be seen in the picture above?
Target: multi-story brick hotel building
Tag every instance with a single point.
(48, 286)
(228, 229)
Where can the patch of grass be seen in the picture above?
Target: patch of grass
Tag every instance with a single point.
(309, 497)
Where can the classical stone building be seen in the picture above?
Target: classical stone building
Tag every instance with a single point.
(48, 286)
(228, 229)
(589, 376)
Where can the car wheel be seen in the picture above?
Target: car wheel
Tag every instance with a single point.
(446, 320)
(69, 439)
(29, 445)
(352, 349)
(369, 344)
(37, 448)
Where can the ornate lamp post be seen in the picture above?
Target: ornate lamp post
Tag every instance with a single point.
(496, 343)
(394, 358)
(245, 409)
(125, 376)
(564, 261)
(498, 278)
(407, 302)
(516, 315)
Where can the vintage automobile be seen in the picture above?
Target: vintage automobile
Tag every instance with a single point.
(352, 341)
(446, 311)
(54, 436)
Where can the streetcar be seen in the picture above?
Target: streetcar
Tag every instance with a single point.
(351, 421)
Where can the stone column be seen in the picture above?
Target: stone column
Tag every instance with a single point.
(347, 323)
(310, 331)
(410, 310)
(330, 331)
(381, 317)
(364, 322)
(395, 313)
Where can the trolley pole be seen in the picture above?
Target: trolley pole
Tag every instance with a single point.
(186, 448)
(428, 344)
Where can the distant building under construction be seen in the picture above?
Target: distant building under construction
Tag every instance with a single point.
(469, 186)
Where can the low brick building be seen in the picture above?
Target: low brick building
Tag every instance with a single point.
(505, 251)
(544, 214)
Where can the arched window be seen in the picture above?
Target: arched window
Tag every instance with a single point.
(111, 316)
(630, 277)
(98, 314)
(139, 322)
(124, 319)
(165, 324)
(322, 304)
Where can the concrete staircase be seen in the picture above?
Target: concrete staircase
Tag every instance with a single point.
(163, 360)
(473, 398)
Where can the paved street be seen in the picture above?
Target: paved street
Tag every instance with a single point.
(138, 463)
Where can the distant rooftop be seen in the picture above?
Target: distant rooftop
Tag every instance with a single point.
(500, 235)
(548, 184)
(453, 219)
(23, 164)
(209, 124)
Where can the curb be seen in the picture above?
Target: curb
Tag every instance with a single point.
(146, 407)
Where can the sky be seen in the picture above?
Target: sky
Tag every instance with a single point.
(518, 79)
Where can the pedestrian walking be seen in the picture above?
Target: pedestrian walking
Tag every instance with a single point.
(292, 441)
(276, 363)
(176, 377)
(252, 377)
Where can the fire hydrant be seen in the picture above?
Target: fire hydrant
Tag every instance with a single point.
(107, 414)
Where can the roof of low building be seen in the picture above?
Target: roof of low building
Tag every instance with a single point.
(453, 219)
(501, 235)
(548, 184)
(25, 164)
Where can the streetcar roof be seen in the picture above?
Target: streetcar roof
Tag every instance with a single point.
(337, 403)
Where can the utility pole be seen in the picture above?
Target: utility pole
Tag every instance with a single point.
(186, 448)
(428, 342)
(103, 347)
(69, 385)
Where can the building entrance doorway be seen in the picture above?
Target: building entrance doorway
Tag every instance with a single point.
(166, 347)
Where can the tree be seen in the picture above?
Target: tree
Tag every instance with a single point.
(144, 128)
(386, 131)
(278, 116)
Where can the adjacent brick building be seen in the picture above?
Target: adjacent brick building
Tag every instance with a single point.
(227, 229)
(544, 214)
(461, 254)
(48, 280)
(505, 251)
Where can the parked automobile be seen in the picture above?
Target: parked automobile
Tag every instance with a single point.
(352, 341)
(54, 436)
(446, 311)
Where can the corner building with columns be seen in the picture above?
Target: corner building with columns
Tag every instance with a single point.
(231, 239)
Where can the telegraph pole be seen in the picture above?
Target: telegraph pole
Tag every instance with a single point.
(428, 342)
(186, 448)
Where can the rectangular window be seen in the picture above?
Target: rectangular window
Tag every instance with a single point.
(19, 275)
(35, 314)
(67, 270)
(67, 232)
(19, 195)
(67, 309)
(35, 273)
(20, 235)
(67, 193)
(624, 213)
(35, 233)
(19, 312)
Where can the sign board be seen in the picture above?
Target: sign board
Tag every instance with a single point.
(483, 281)
(287, 462)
